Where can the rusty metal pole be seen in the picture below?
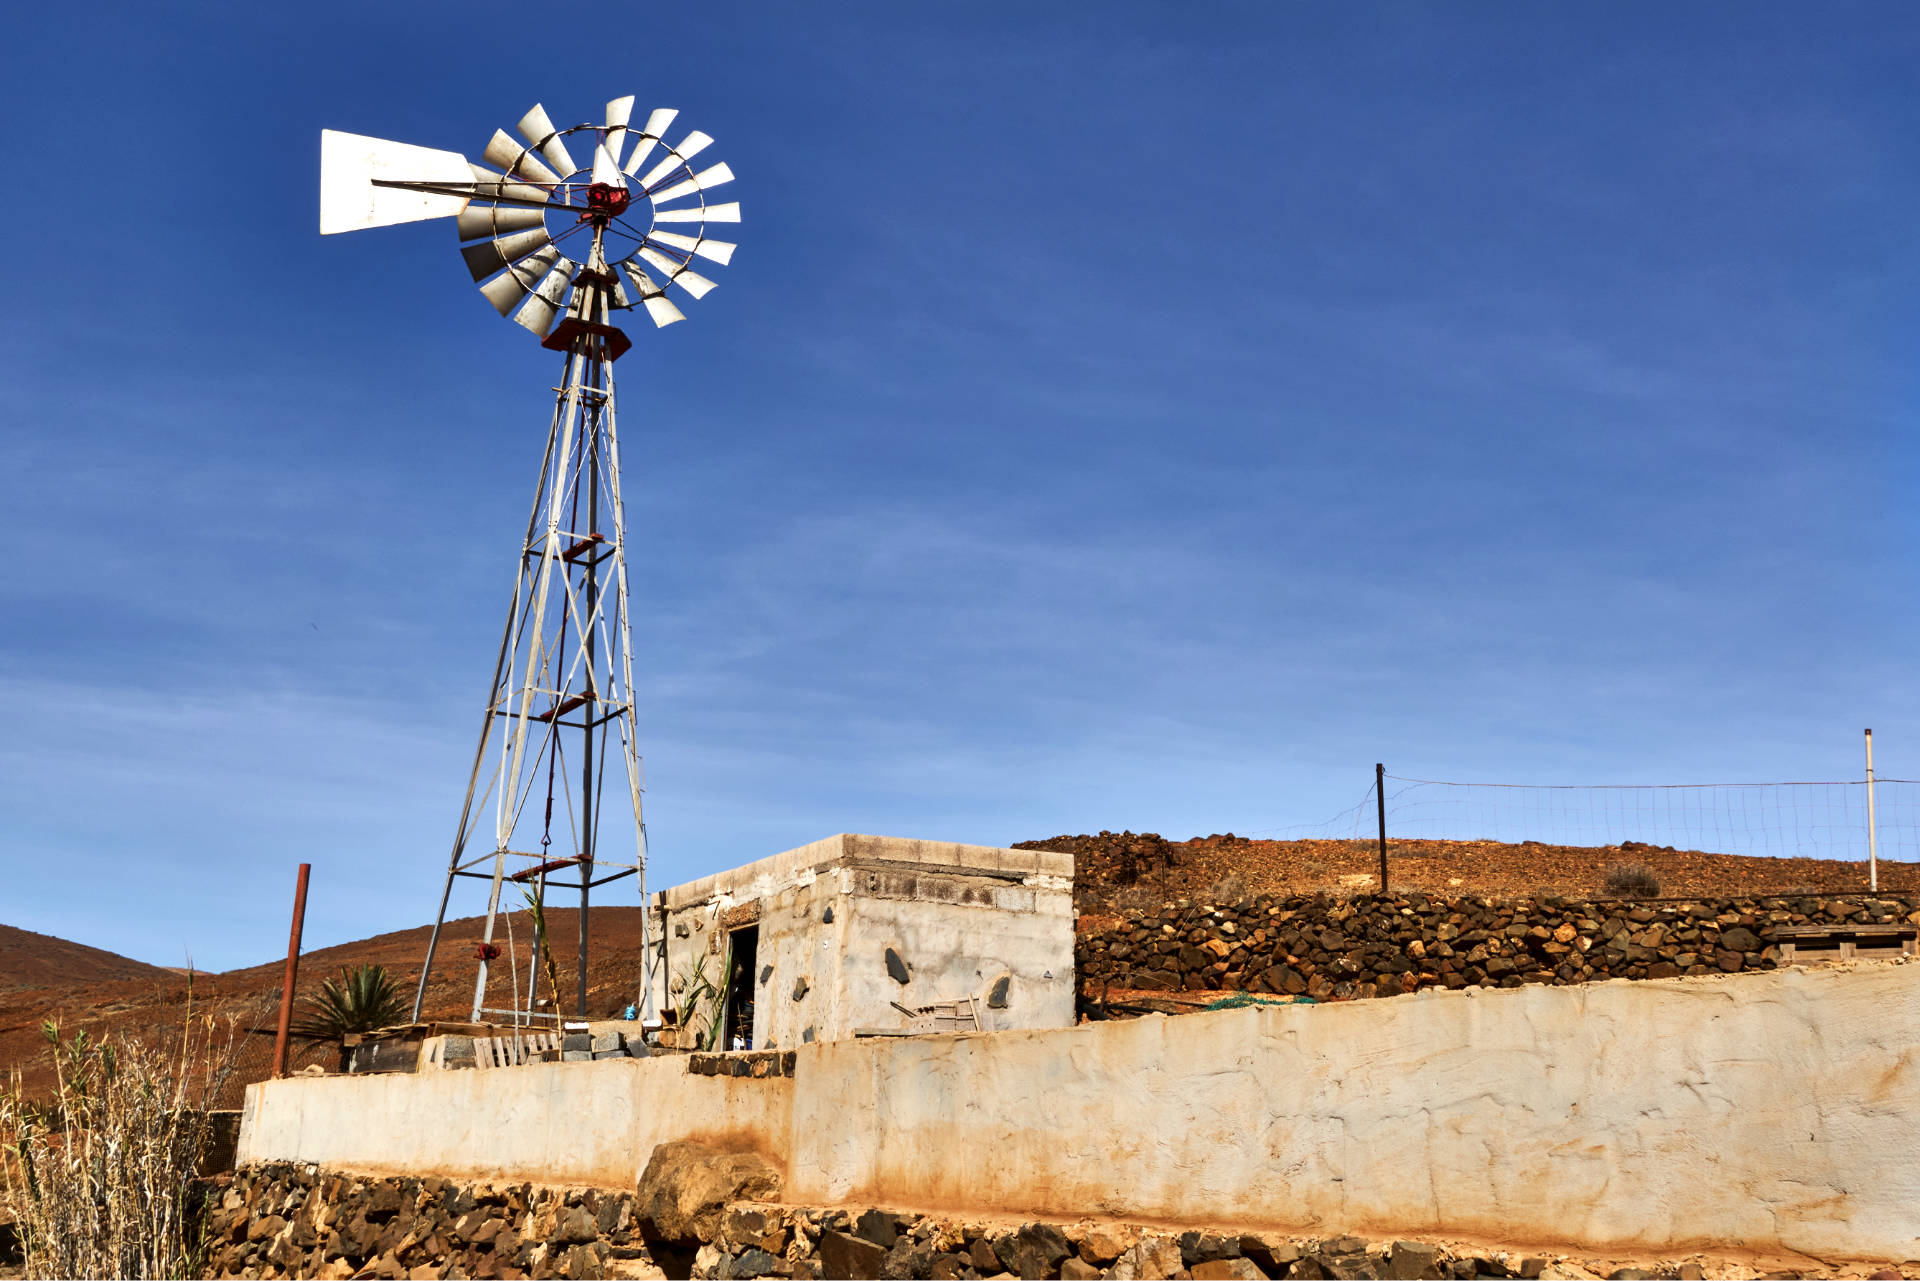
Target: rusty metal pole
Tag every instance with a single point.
(1380, 792)
(293, 972)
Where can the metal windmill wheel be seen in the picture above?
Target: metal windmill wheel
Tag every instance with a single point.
(636, 203)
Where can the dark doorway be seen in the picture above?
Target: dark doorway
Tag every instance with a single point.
(738, 1033)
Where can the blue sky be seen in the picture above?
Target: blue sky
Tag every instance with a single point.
(1126, 416)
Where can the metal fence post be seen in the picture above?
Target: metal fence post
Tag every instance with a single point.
(1873, 832)
(293, 972)
(1380, 793)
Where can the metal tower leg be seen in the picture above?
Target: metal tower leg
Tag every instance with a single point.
(563, 681)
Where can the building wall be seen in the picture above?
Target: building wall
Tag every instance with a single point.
(954, 950)
(961, 915)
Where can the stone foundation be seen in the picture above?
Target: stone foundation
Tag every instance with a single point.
(297, 1220)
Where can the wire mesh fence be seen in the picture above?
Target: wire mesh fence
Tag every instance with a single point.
(1762, 820)
(1830, 837)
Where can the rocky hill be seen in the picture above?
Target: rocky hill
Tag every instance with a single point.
(30, 960)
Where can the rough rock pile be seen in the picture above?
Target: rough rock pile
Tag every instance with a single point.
(294, 1220)
(1385, 945)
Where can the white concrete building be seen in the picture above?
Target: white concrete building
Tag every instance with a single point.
(871, 934)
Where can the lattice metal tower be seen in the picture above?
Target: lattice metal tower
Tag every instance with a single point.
(559, 732)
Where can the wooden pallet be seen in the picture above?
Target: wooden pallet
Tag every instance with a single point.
(1816, 944)
(511, 1051)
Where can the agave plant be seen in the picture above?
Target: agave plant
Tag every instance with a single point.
(361, 999)
(535, 906)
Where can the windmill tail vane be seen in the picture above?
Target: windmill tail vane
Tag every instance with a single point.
(559, 732)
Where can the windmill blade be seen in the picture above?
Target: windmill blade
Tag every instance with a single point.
(619, 111)
(349, 162)
(605, 172)
(489, 185)
(717, 250)
(656, 130)
(538, 130)
(706, 213)
(663, 311)
(490, 256)
(693, 282)
(661, 170)
(705, 180)
(692, 145)
(677, 273)
(543, 304)
(478, 220)
(507, 289)
(671, 267)
(517, 160)
(641, 280)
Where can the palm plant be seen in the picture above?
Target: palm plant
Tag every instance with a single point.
(362, 999)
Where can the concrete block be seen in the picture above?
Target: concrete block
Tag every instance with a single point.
(576, 1056)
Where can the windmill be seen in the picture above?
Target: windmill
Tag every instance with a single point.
(560, 707)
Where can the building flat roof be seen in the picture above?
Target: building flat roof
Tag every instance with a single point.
(850, 849)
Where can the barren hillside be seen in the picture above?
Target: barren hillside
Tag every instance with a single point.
(1145, 867)
(30, 960)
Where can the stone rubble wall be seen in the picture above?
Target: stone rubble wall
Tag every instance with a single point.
(298, 1220)
(1328, 948)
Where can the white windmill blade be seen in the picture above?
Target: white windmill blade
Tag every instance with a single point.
(619, 112)
(661, 170)
(677, 272)
(664, 313)
(517, 160)
(700, 213)
(490, 256)
(538, 130)
(705, 180)
(692, 145)
(605, 172)
(478, 220)
(693, 282)
(648, 287)
(670, 267)
(506, 290)
(349, 164)
(489, 185)
(656, 129)
(717, 250)
(543, 304)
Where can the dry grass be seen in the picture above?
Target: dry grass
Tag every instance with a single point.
(101, 1174)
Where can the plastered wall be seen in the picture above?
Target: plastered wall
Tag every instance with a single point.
(544, 1122)
(1776, 1110)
